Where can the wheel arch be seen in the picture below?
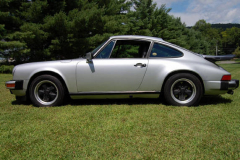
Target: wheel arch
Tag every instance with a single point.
(46, 73)
(183, 71)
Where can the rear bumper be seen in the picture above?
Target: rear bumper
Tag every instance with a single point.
(220, 87)
(229, 85)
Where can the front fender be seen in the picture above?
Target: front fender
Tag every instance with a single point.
(65, 70)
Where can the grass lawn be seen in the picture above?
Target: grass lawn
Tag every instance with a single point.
(121, 129)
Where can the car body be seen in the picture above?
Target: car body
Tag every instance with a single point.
(124, 67)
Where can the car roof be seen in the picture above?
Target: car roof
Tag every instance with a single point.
(156, 39)
(136, 37)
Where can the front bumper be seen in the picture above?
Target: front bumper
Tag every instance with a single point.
(229, 85)
(14, 85)
(17, 87)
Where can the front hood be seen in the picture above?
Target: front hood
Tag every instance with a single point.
(66, 61)
(25, 71)
(45, 64)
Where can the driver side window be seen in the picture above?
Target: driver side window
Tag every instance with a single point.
(125, 49)
(130, 49)
(105, 53)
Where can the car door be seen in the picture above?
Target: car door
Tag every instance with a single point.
(120, 66)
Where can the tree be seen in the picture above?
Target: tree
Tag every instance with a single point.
(9, 17)
(212, 35)
(237, 52)
(230, 39)
(42, 30)
(147, 19)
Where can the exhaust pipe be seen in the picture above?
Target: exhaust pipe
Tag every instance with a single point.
(230, 92)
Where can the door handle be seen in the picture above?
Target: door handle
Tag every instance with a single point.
(140, 65)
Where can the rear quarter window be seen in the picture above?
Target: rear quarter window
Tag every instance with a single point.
(160, 50)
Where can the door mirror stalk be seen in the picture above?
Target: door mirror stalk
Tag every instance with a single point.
(89, 57)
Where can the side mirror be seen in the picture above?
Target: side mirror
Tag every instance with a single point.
(89, 57)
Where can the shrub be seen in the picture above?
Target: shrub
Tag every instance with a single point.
(6, 69)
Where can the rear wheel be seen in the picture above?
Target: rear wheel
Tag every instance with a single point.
(183, 89)
(46, 90)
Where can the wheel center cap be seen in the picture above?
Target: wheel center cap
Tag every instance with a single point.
(182, 89)
(46, 91)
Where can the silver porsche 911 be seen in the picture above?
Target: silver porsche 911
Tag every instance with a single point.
(125, 67)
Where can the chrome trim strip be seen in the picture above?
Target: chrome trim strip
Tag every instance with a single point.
(114, 92)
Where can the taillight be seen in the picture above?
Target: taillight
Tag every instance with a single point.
(226, 78)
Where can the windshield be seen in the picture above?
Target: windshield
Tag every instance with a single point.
(96, 49)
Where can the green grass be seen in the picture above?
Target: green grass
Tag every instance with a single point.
(121, 129)
(237, 59)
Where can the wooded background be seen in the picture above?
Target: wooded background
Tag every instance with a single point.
(39, 30)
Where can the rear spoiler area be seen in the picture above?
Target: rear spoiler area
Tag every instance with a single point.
(218, 58)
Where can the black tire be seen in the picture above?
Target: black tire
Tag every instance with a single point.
(46, 90)
(183, 89)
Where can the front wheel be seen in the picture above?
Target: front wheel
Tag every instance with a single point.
(183, 89)
(46, 90)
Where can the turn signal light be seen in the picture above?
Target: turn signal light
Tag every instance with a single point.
(10, 85)
(226, 78)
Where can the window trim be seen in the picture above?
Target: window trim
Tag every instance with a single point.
(103, 47)
(164, 57)
(121, 39)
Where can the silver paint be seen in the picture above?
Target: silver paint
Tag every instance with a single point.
(121, 74)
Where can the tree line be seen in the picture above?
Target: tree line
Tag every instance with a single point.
(226, 37)
(225, 26)
(39, 30)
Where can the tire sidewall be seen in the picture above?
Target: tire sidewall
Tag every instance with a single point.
(54, 80)
(172, 79)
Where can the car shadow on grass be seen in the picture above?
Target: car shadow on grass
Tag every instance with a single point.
(17, 102)
(102, 102)
(116, 102)
(206, 100)
(214, 100)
